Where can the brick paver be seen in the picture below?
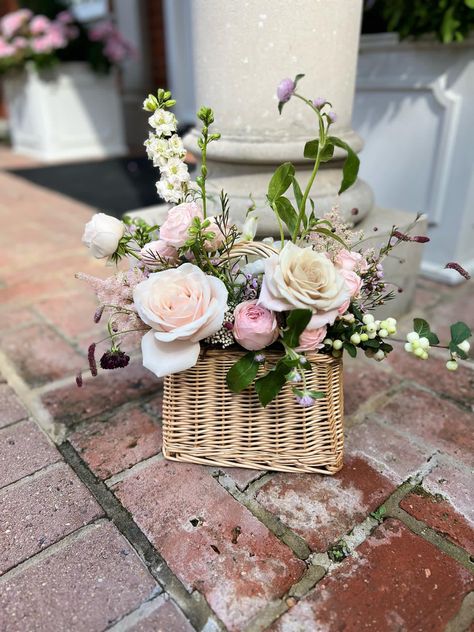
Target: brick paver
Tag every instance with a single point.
(230, 549)
(209, 540)
(84, 585)
(39, 511)
(398, 581)
(320, 509)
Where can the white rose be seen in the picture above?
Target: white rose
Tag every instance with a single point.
(303, 279)
(182, 306)
(102, 235)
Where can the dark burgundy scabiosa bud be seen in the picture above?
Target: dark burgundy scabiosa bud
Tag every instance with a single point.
(420, 239)
(401, 236)
(114, 360)
(91, 358)
(98, 313)
(79, 379)
(452, 265)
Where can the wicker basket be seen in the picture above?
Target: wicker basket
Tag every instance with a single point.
(204, 422)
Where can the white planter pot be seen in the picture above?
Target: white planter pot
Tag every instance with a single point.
(64, 114)
(414, 107)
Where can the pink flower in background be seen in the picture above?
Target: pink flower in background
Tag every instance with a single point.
(255, 327)
(174, 230)
(65, 17)
(13, 22)
(20, 43)
(312, 338)
(39, 24)
(6, 49)
(116, 47)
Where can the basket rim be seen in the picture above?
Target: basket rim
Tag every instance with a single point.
(215, 353)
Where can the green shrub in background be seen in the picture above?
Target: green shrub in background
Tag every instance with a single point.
(449, 20)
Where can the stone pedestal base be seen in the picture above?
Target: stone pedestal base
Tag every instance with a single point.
(401, 269)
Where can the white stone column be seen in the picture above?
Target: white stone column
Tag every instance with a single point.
(241, 52)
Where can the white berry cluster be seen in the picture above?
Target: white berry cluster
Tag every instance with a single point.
(165, 148)
(380, 328)
(417, 345)
(452, 364)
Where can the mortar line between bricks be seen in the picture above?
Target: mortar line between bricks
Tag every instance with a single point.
(52, 549)
(130, 471)
(193, 605)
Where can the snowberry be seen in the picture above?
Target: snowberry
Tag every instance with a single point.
(379, 355)
(337, 344)
(424, 343)
(364, 337)
(355, 339)
(370, 328)
(328, 342)
(451, 365)
(367, 319)
(383, 333)
(413, 337)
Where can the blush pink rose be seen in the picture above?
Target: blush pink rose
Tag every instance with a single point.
(213, 244)
(350, 260)
(174, 230)
(312, 338)
(353, 282)
(344, 307)
(156, 252)
(255, 327)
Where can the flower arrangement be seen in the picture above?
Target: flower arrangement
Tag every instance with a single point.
(200, 281)
(44, 41)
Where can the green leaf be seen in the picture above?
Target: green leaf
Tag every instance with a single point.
(270, 385)
(297, 192)
(296, 323)
(372, 344)
(280, 181)
(423, 329)
(329, 233)
(327, 152)
(350, 168)
(283, 207)
(317, 394)
(242, 373)
(460, 332)
(298, 78)
(455, 349)
(350, 348)
(311, 149)
(469, 3)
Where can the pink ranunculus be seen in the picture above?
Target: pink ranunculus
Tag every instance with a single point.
(175, 228)
(312, 338)
(156, 252)
(353, 281)
(255, 326)
(39, 24)
(349, 260)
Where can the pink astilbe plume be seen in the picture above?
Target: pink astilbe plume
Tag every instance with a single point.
(115, 296)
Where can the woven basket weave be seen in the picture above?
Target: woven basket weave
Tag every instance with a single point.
(204, 422)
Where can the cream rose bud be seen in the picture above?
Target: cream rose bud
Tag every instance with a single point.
(312, 338)
(350, 260)
(353, 282)
(175, 228)
(305, 279)
(155, 253)
(255, 327)
(182, 306)
(102, 235)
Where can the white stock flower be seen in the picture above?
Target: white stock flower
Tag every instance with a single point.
(163, 121)
(175, 168)
(182, 306)
(157, 149)
(176, 147)
(102, 235)
(170, 189)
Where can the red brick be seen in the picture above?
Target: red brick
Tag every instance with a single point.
(457, 305)
(40, 355)
(40, 511)
(428, 293)
(322, 509)
(16, 318)
(455, 484)
(439, 515)
(386, 451)
(434, 375)
(72, 314)
(433, 421)
(363, 379)
(209, 540)
(108, 447)
(398, 581)
(241, 476)
(24, 449)
(161, 615)
(84, 585)
(11, 409)
(110, 389)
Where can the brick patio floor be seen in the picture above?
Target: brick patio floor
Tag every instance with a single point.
(99, 532)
